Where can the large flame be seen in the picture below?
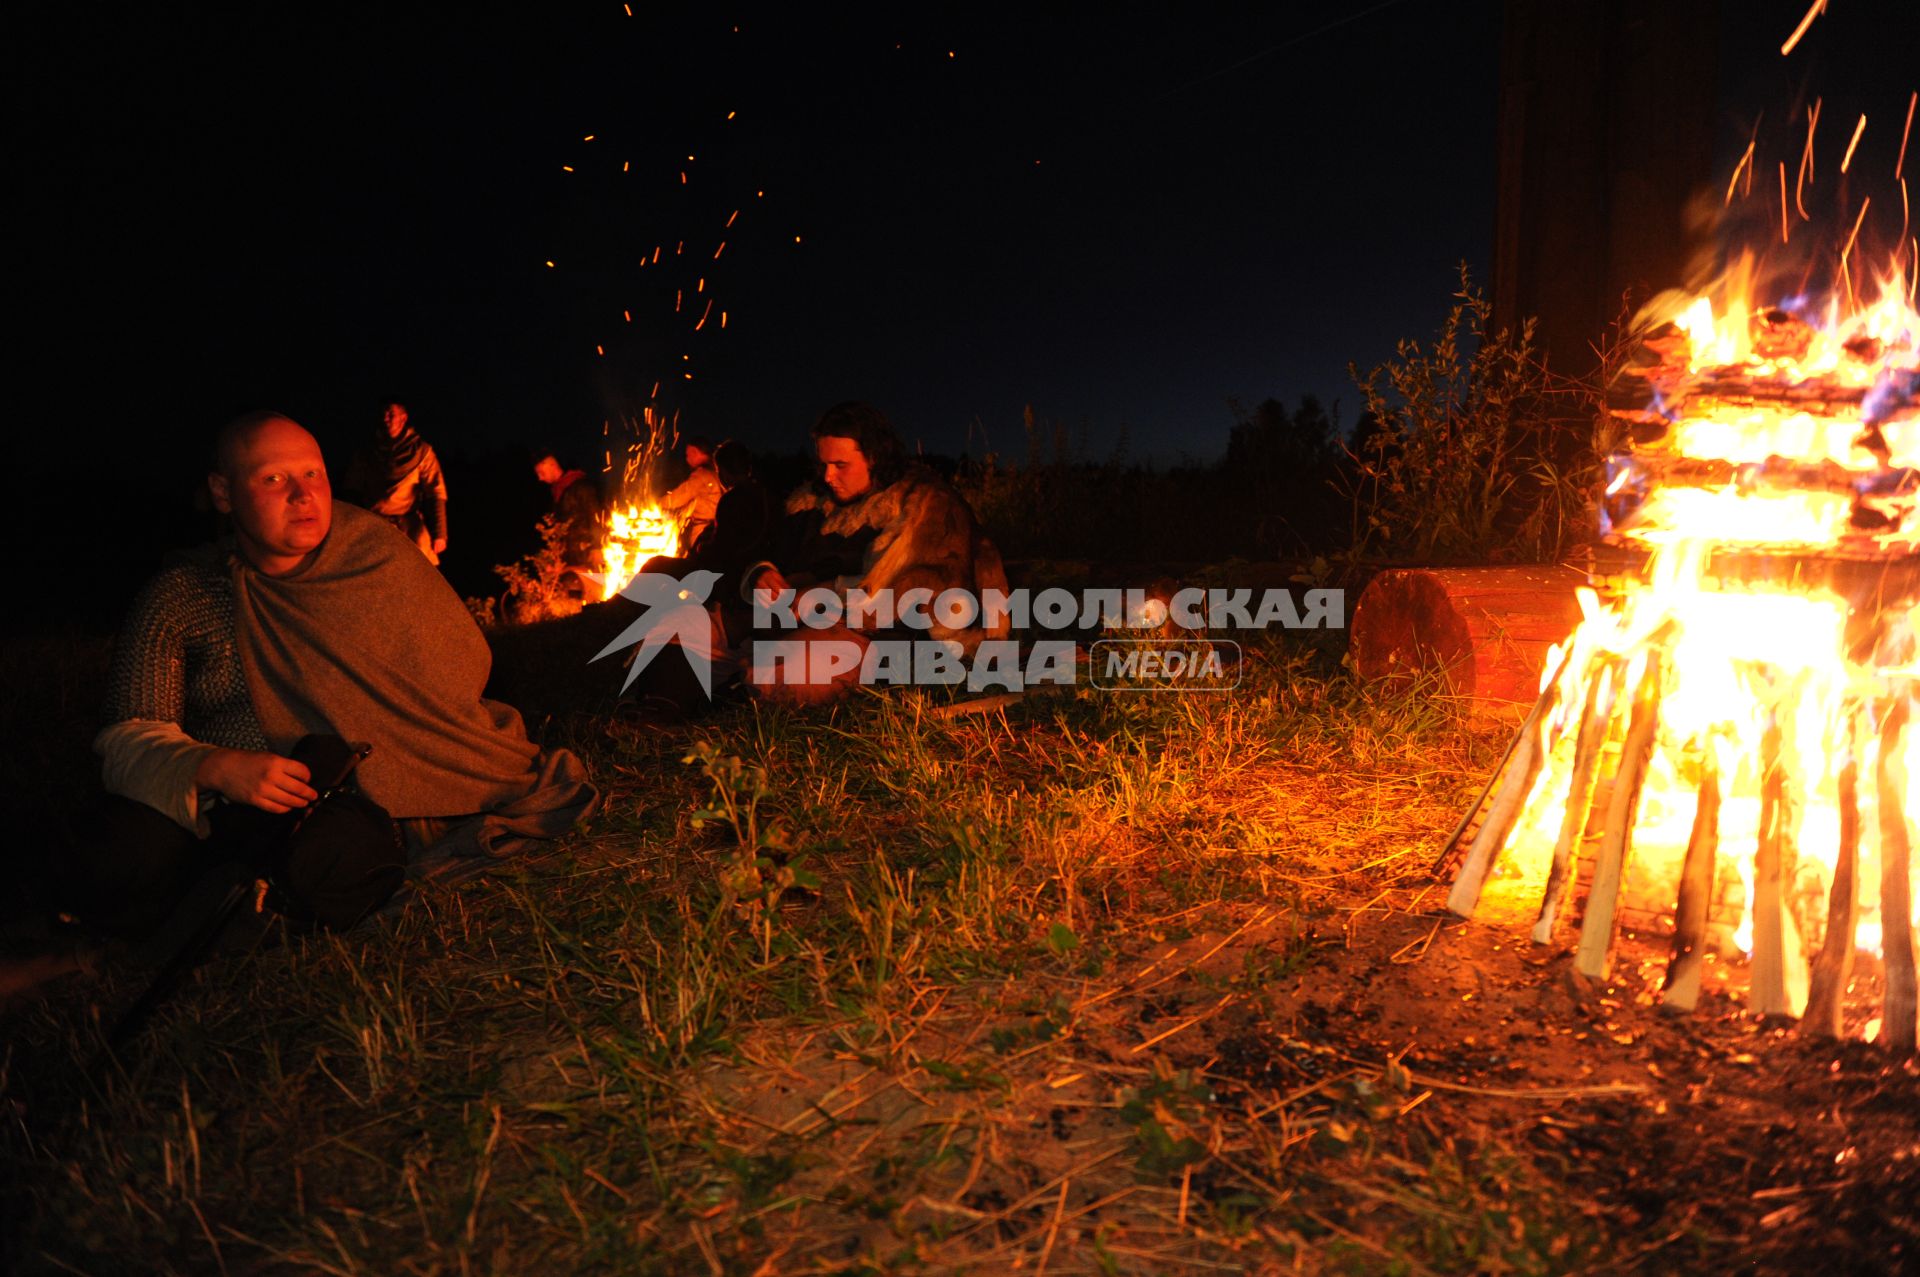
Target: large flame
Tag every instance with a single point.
(1783, 424)
(634, 533)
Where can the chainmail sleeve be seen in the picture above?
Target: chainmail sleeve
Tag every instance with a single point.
(175, 660)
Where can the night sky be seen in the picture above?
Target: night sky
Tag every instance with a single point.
(1122, 217)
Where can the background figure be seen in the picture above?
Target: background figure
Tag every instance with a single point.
(738, 536)
(694, 501)
(577, 504)
(875, 521)
(399, 479)
(741, 522)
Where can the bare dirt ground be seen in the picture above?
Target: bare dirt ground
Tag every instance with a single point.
(1423, 1092)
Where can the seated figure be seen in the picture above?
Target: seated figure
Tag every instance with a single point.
(693, 502)
(315, 619)
(875, 521)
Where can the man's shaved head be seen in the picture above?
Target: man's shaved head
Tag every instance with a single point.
(234, 437)
(269, 475)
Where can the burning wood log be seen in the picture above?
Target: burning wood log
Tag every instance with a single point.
(1596, 719)
(1779, 984)
(1485, 630)
(1523, 763)
(1833, 969)
(1897, 1012)
(1704, 393)
(1594, 956)
(1681, 989)
(1777, 474)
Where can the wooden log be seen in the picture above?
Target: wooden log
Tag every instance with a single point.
(1549, 697)
(1596, 723)
(1779, 983)
(1704, 392)
(1827, 990)
(1485, 631)
(1593, 958)
(1897, 1011)
(1681, 989)
(1464, 898)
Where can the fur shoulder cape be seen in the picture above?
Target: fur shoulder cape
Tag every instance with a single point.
(924, 536)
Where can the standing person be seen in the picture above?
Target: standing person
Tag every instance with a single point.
(576, 504)
(693, 503)
(400, 480)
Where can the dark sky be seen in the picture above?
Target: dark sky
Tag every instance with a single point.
(1121, 217)
(1120, 214)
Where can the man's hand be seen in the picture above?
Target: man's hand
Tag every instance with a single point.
(258, 779)
(768, 586)
(439, 545)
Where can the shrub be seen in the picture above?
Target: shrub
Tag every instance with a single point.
(1470, 450)
(541, 586)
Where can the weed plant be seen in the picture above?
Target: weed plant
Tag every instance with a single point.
(1471, 450)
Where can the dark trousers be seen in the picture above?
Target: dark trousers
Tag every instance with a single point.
(130, 867)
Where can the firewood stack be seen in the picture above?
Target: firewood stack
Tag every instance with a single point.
(1741, 684)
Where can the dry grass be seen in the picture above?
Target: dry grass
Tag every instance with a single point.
(1073, 986)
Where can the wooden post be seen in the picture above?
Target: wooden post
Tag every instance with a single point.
(1549, 695)
(1681, 990)
(1897, 1013)
(1596, 722)
(1827, 992)
(1779, 984)
(1594, 956)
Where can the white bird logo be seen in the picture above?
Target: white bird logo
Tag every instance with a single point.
(673, 610)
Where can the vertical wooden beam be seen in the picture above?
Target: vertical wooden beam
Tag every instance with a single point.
(1594, 956)
(1596, 722)
(1833, 969)
(1779, 968)
(1681, 990)
(1527, 757)
(1897, 1013)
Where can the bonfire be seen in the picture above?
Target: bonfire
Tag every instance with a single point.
(634, 533)
(1727, 728)
(635, 527)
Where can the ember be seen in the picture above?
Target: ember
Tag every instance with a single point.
(1738, 692)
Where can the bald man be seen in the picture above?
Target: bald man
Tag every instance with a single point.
(314, 619)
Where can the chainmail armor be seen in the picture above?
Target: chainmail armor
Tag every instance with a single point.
(175, 659)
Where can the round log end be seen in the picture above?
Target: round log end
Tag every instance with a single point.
(1405, 625)
(1485, 630)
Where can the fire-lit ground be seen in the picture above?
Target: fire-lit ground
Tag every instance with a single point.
(1098, 984)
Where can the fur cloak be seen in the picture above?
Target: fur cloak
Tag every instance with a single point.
(914, 533)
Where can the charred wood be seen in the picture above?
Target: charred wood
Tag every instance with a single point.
(1833, 968)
